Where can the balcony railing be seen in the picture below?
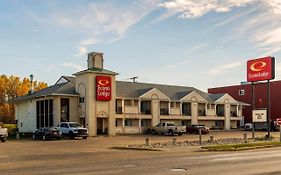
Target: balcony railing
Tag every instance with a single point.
(201, 113)
(164, 111)
(146, 112)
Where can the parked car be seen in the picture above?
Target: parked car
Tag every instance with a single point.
(261, 126)
(3, 134)
(194, 129)
(168, 128)
(46, 133)
(248, 126)
(72, 129)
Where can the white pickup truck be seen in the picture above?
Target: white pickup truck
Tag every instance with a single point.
(72, 129)
(3, 134)
(168, 128)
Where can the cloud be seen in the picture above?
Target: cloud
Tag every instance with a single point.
(100, 22)
(73, 66)
(221, 69)
(193, 8)
(82, 51)
(263, 29)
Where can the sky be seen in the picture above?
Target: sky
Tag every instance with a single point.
(198, 43)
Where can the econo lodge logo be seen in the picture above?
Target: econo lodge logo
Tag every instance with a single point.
(258, 66)
(260, 69)
(103, 88)
(103, 82)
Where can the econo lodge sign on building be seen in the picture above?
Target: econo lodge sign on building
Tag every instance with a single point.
(103, 88)
(260, 69)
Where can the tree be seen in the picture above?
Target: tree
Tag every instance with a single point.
(12, 87)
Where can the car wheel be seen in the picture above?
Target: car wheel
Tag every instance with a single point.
(180, 134)
(71, 135)
(153, 132)
(170, 132)
(85, 137)
(247, 128)
(3, 139)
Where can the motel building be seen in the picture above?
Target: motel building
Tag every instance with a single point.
(97, 101)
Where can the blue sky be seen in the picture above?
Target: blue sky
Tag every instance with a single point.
(199, 43)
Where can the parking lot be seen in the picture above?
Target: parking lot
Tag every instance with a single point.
(26, 156)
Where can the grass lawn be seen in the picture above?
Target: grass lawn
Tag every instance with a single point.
(242, 146)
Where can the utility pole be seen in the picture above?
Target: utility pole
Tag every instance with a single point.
(134, 79)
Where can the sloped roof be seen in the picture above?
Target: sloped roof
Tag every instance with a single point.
(215, 97)
(134, 90)
(96, 70)
(67, 88)
(124, 90)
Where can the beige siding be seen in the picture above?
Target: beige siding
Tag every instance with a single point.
(132, 109)
(73, 109)
(26, 115)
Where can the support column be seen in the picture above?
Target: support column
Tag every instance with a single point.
(227, 116)
(237, 110)
(180, 108)
(216, 110)
(140, 129)
(206, 109)
(169, 107)
(139, 106)
(123, 106)
(194, 113)
(123, 125)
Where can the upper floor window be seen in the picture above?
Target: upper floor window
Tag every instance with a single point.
(241, 92)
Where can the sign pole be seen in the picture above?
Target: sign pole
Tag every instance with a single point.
(253, 102)
(268, 110)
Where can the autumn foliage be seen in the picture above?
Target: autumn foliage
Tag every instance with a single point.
(12, 87)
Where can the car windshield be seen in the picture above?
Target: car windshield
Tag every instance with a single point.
(74, 125)
(170, 124)
(200, 126)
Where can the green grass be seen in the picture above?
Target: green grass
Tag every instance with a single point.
(242, 146)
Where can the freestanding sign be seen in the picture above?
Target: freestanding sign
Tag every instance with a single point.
(259, 115)
(261, 69)
(103, 88)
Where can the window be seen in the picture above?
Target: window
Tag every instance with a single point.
(44, 113)
(118, 106)
(145, 123)
(241, 92)
(145, 107)
(128, 122)
(186, 109)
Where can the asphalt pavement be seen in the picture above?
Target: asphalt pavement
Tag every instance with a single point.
(95, 156)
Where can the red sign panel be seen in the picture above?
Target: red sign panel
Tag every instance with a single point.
(261, 69)
(103, 88)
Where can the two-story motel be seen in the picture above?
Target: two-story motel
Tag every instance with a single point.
(97, 101)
